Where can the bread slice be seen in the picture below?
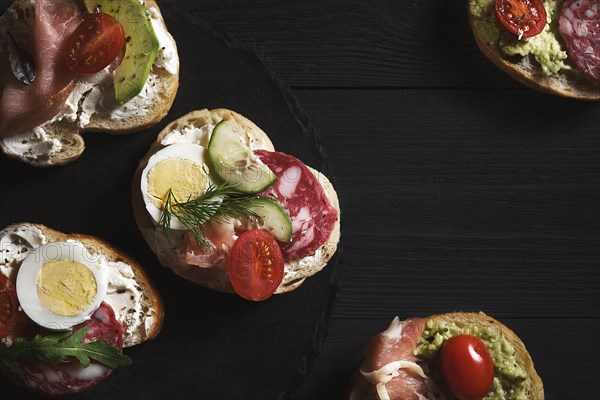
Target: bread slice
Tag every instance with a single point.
(68, 133)
(17, 235)
(295, 271)
(567, 83)
(361, 389)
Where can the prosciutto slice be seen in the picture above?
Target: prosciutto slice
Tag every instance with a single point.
(23, 106)
(390, 364)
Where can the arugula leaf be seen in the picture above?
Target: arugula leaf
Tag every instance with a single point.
(57, 348)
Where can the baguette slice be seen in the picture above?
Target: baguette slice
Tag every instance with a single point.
(68, 134)
(361, 389)
(295, 271)
(570, 83)
(151, 299)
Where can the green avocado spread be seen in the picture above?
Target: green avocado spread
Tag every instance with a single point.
(545, 46)
(510, 378)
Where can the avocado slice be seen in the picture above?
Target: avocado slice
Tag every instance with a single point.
(141, 45)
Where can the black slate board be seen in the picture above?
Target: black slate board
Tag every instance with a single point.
(213, 345)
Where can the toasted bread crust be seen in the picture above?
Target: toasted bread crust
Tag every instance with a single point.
(151, 296)
(572, 84)
(361, 389)
(295, 271)
(69, 134)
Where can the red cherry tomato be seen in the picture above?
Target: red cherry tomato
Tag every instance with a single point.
(8, 306)
(96, 42)
(524, 18)
(255, 265)
(467, 367)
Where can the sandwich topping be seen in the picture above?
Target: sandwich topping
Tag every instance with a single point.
(42, 34)
(392, 367)
(71, 312)
(74, 98)
(561, 35)
(524, 18)
(544, 46)
(579, 25)
(114, 278)
(426, 360)
(249, 190)
(67, 362)
(64, 323)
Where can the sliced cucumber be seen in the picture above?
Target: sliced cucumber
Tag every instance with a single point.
(235, 163)
(273, 218)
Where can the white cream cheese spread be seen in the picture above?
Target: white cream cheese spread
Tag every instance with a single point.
(94, 95)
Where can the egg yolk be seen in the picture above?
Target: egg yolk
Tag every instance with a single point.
(66, 287)
(187, 179)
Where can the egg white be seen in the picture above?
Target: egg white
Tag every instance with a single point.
(27, 280)
(186, 151)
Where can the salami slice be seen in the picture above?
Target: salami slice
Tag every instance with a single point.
(302, 196)
(56, 380)
(579, 26)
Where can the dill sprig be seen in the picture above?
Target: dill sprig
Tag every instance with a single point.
(218, 204)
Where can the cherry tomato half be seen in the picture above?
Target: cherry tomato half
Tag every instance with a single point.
(467, 367)
(255, 265)
(96, 42)
(8, 306)
(524, 18)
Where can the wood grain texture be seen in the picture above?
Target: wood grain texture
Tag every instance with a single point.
(384, 43)
(460, 189)
(450, 206)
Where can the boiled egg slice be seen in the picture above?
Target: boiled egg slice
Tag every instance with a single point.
(181, 167)
(60, 285)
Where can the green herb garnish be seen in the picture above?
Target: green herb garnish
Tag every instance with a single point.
(219, 204)
(58, 348)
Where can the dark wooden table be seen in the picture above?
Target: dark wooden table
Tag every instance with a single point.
(460, 189)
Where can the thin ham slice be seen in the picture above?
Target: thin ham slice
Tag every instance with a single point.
(391, 365)
(220, 238)
(23, 106)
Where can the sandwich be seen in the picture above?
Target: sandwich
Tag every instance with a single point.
(447, 356)
(72, 66)
(69, 304)
(221, 208)
(549, 45)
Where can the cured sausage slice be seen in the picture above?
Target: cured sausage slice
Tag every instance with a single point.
(56, 380)
(579, 26)
(302, 196)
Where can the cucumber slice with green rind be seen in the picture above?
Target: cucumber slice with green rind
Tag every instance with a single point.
(235, 163)
(274, 218)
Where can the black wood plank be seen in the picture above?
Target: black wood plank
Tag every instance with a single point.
(465, 200)
(382, 43)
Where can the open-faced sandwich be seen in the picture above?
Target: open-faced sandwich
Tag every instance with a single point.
(220, 207)
(70, 66)
(464, 356)
(549, 45)
(68, 306)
